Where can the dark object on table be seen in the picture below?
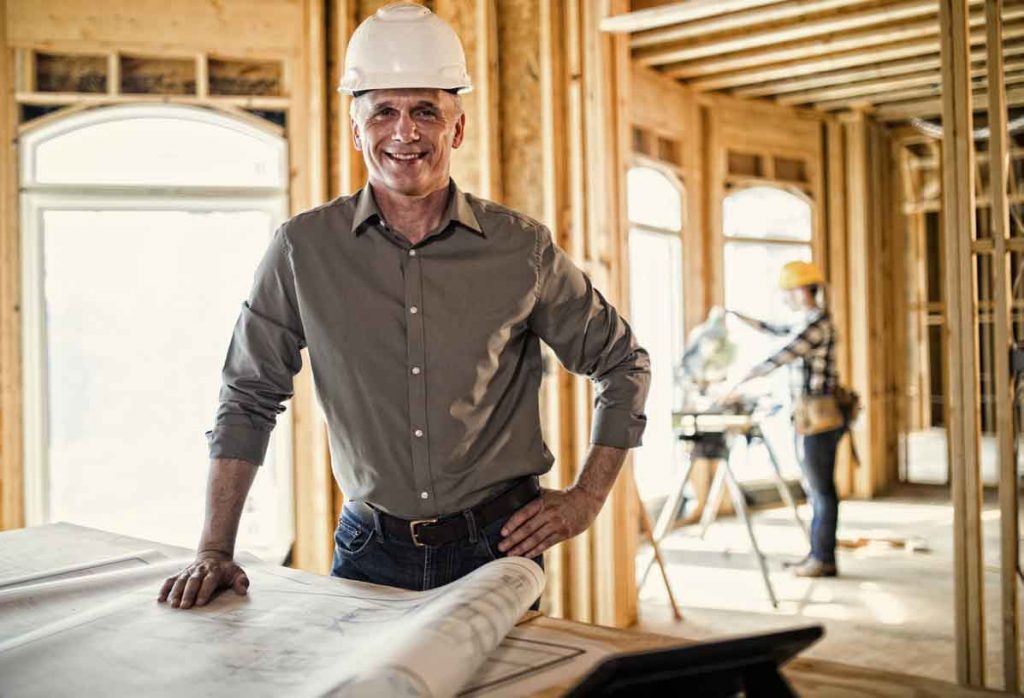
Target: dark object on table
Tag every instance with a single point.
(747, 666)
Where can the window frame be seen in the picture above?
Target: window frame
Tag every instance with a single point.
(36, 198)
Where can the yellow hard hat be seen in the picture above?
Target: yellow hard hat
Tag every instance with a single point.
(800, 274)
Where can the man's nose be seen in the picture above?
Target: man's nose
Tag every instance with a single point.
(405, 129)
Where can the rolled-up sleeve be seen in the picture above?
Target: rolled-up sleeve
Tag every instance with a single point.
(262, 360)
(590, 338)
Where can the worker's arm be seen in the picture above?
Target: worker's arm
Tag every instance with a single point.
(590, 338)
(801, 345)
(214, 567)
(760, 325)
(558, 515)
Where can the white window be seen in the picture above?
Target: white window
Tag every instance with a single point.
(656, 314)
(764, 227)
(141, 229)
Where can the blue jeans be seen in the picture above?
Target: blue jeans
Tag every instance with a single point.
(819, 466)
(363, 552)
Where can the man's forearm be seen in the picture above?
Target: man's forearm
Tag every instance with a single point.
(226, 490)
(600, 470)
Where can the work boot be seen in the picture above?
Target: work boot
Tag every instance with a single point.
(789, 564)
(815, 568)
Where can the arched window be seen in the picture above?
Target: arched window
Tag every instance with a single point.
(141, 229)
(656, 312)
(764, 228)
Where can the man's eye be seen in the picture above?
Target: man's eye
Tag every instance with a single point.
(427, 113)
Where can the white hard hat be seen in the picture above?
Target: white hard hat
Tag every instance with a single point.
(404, 45)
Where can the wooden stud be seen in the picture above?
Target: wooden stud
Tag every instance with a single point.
(837, 266)
(999, 162)
(12, 503)
(860, 278)
(313, 480)
(962, 390)
(488, 89)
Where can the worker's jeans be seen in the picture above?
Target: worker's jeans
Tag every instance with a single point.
(819, 466)
(363, 552)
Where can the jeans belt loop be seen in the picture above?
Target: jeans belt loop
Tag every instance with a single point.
(471, 525)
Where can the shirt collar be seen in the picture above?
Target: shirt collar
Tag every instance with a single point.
(458, 210)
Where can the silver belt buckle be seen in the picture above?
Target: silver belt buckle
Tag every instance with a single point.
(412, 530)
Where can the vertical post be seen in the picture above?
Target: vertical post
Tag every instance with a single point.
(998, 174)
(961, 369)
(12, 483)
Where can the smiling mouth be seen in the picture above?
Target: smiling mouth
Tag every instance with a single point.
(405, 157)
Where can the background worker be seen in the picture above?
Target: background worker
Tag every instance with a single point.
(810, 353)
(423, 309)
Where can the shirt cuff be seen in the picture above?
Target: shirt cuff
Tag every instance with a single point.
(240, 442)
(617, 428)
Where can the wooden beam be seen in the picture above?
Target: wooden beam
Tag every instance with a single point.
(830, 44)
(886, 96)
(859, 276)
(487, 104)
(736, 21)
(837, 264)
(313, 481)
(928, 108)
(961, 334)
(846, 90)
(834, 26)
(676, 13)
(890, 69)
(12, 483)
(1009, 536)
(847, 59)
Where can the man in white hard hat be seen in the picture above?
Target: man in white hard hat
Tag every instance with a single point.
(423, 308)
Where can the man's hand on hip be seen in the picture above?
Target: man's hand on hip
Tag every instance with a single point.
(197, 583)
(554, 516)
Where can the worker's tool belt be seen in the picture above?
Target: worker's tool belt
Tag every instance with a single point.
(814, 414)
(455, 527)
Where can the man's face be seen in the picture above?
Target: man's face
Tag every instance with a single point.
(407, 136)
(794, 298)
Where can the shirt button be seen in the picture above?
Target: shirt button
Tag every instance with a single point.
(415, 370)
(414, 310)
(412, 253)
(424, 495)
(418, 433)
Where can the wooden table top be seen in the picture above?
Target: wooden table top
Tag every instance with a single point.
(810, 677)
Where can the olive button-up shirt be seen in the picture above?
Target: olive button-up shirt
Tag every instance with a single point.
(426, 358)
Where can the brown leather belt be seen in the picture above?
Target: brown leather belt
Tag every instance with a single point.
(455, 527)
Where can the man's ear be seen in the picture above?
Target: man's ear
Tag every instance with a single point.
(357, 140)
(460, 131)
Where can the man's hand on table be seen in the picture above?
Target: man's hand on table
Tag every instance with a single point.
(196, 584)
(554, 516)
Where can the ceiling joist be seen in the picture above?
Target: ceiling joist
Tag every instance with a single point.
(848, 59)
(840, 78)
(677, 13)
(834, 27)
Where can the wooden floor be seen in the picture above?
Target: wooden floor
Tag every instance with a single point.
(890, 609)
